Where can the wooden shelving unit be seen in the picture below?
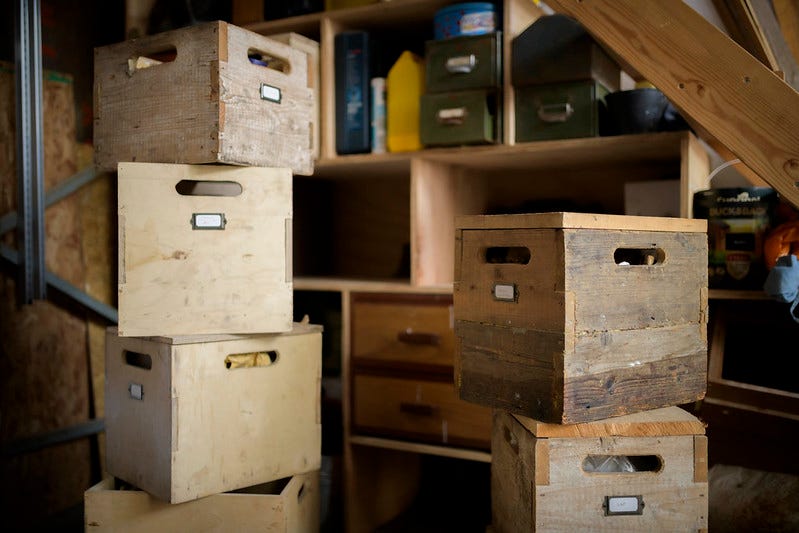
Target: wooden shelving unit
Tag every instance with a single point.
(384, 223)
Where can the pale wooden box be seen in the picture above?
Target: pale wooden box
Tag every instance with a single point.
(542, 479)
(550, 323)
(289, 505)
(199, 261)
(193, 95)
(183, 421)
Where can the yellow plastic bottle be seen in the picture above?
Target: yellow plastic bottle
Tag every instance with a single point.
(404, 87)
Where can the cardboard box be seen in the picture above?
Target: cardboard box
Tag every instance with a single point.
(287, 505)
(641, 472)
(204, 249)
(207, 93)
(574, 317)
(187, 417)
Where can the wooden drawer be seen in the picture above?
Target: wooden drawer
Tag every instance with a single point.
(469, 62)
(422, 410)
(403, 331)
(461, 117)
(564, 110)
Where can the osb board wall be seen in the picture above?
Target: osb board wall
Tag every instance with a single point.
(43, 348)
(98, 212)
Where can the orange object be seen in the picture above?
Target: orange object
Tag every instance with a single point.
(783, 240)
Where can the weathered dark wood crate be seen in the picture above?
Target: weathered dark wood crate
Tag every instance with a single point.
(209, 93)
(552, 324)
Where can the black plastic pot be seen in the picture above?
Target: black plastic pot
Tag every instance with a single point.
(641, 111)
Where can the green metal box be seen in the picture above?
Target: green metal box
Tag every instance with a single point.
(461, 117)
(462, 63)
(560, 110)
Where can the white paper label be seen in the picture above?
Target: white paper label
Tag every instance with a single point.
(505, 292)
(270, 93)
(136, 391)
(208, 220)
(622, 504)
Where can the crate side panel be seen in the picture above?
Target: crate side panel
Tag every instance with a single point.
(271, 131)
(497, 257)
(611, 296)
(510, 368)
(242, 426)
(139, 430)
(574, 499)
(167, 112)
(175, 278)
(663, 383)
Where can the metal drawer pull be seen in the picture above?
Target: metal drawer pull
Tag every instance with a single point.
(555, 112)
(419, 337)
(418, 409)
(461, 64)
(454, 116)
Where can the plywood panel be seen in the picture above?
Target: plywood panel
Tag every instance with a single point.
(43, 352)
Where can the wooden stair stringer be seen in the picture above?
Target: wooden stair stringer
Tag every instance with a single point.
(714, 82)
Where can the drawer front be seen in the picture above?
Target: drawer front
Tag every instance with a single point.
(414, 332)
(559, 111)
(471, 62)
(428, 411)
(460, 117)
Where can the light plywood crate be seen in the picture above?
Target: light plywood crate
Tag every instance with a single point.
(553, 477)
(187, 417)
(204, 249)
(207, 93)
(574, 317)
(289, 505)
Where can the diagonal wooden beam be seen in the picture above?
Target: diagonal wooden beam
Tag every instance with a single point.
(716, 83)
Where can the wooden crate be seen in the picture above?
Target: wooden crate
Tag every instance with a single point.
(544, 477)
(193, 260)
(208, 93)
(551, 324)
(289, 505)
(184, 420)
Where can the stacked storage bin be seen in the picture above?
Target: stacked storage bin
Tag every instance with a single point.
(462, 103)
(211, 388)
(560, 77)
(586, 333)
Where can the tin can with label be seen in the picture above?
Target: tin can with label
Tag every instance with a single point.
(738, 219)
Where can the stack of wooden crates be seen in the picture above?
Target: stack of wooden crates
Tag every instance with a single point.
(212, 394)
(586, 333)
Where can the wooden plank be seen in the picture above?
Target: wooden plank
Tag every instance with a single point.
(283, 506)
(665, 421)
(567, 220)
(730, 93)
(743, 28)
(787, 12)
(763, 12)
(455, 452)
